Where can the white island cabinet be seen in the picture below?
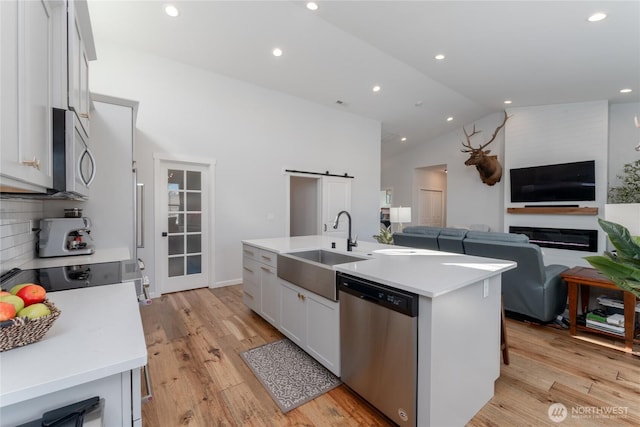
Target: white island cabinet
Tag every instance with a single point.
(312, 323)
(95, 348)
(458, 318)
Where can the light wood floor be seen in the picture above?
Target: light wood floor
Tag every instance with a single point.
(199, 379)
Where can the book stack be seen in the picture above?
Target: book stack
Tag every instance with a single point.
(613, 323)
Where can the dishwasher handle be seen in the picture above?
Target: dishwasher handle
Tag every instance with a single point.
(388, 297)
(369, 299)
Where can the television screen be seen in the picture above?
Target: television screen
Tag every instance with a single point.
(554, 183)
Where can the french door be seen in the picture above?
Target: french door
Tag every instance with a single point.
(183, 216)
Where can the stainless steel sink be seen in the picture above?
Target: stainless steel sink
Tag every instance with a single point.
(313, 271)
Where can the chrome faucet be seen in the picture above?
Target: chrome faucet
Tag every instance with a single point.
(350, 243)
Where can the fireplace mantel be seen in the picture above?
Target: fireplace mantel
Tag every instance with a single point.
(560, 210)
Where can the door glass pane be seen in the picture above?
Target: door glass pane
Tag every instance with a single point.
(184, 222)
(194, 243)
(193, 180)
(175, 223)
(194, 264)
(176, 177)
(194, 223)
(194, 201)
(176, 245)
(176, 266)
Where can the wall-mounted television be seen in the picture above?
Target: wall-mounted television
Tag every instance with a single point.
(564, 182)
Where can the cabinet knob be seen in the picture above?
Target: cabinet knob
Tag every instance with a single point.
(34, 163)
(84, 115)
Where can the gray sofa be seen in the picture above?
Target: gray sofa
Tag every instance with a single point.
(531, 289)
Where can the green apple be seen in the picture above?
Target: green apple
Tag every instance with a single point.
(34, 311)
(17, 302)
(16, 288)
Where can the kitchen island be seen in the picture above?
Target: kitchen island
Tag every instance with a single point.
(458, 321)
(95, 348)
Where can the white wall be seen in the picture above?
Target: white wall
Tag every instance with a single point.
(469, 201)
(251, 132)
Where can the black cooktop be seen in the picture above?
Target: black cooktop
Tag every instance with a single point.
(72, 276)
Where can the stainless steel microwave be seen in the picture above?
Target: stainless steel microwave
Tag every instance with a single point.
(74, 166)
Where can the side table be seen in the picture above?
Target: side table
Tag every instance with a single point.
(586, 277)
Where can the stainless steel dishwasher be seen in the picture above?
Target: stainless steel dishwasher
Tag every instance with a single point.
(379, 345)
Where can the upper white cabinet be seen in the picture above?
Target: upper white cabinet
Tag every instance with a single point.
(80, 51)
(25, 90)
(33, 79)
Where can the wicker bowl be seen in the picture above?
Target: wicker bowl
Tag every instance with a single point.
(22, 331)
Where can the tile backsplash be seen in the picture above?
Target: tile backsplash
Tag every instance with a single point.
(17, 240)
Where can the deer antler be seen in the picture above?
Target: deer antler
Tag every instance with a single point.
(495, 133)
(468, 144)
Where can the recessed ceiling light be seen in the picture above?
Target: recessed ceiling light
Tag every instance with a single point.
(403, 139)
(508, 101)
(626, 90)
(277, 52)
(599, 16)
(439, 57)
(171, 10)
(312, 5)
(376, 88)
(449, 119)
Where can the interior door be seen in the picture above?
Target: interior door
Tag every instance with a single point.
(184, 208)
(336, 197)
(431, 208)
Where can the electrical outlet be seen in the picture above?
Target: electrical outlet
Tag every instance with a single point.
(485, 288)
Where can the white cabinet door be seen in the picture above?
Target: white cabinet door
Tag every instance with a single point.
(270, 308)
(26, 141)
(251, 283)
(311, 322)
(336, 197)
(323, 331)
(251, 294)
(293, 319)
(78, 69)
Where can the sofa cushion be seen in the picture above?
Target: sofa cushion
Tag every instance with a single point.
(450, 240)
(417, 240)
(422, 229)
(497, 237)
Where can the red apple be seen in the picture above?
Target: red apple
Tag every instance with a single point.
(7, 311)
(32, 294)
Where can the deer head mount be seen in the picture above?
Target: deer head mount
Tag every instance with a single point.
(488, 166)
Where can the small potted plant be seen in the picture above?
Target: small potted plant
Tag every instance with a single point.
(623, 266)
(385, 236)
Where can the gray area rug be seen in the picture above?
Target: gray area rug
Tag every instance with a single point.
(290, 375)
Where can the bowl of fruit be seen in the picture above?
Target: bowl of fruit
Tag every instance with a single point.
(25, 315)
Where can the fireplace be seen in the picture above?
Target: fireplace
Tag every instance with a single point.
(560, 238)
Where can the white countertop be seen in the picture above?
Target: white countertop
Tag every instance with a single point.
(421, 271)
(98, 334)
(100, 255)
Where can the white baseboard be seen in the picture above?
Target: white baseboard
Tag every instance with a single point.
(227, 283)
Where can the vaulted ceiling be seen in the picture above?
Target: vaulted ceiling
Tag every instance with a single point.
(528, 52)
